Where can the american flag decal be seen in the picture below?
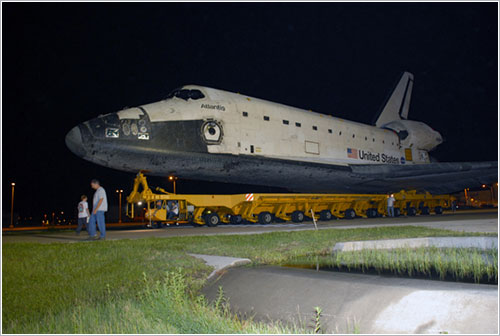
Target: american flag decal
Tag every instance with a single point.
(352, 153)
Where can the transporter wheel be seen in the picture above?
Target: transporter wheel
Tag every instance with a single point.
(397, 212)
(412, 211)
(212, 219)
(349, 214)
(371, 213)
(325, 215)
(265, 218)
(298, 216)
(236, 219)
(425, 211)
(438, 210)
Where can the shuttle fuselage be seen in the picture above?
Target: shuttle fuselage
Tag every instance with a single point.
(207, 134)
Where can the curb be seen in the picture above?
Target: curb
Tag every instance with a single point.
(440, 242)
(220, 263)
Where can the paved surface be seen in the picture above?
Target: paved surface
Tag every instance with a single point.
(385, 244)
(470, 221)
(220, 263)
(357, 302)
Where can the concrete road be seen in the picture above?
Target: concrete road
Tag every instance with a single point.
(358, 302)
(469, 221)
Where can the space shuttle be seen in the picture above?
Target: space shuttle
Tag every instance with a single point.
(200, 133)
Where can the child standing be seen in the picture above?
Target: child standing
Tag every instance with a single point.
(83, 213)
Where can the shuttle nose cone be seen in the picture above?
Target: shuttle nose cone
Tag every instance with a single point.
(74, 141)
(440, 138)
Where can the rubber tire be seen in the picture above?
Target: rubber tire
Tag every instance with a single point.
(325, 215)
(265, 218)
(397, 212)
(438, 210)
(412, 211)
(298, 216)
(212, 219)
(236, 219)
(425, 211)
(371, 213)
(349, 214)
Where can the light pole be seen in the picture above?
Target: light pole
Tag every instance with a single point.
(12, 206)
(174, 180)
(492, 191)
(119, 205)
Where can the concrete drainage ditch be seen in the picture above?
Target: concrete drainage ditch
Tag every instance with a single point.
(355, 302)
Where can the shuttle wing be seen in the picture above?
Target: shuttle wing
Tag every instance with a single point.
(436, 178)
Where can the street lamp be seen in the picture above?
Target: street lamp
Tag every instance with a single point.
(174, 180)
(492, 191)
(119, 191)
(12, 206)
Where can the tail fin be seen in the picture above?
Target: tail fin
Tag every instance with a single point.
(398, 104)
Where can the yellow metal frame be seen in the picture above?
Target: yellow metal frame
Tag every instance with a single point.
(280, 205)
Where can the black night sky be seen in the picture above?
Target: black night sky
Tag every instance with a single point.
(67, 63)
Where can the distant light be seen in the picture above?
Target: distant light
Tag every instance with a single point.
(484, 185)
(13, 184)
(139, 203)
(472, 199)
(171, 178)
(121, 190)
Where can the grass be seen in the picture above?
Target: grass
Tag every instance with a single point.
(40, 279)
(277, 247)
(159, 308)
(462, 264)
(99, 287)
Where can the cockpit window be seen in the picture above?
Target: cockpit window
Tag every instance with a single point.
(186, 94)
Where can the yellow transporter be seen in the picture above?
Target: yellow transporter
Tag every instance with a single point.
(266, 208)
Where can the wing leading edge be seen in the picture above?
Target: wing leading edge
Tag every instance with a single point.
(436, 178)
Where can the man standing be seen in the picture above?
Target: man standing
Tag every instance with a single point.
(100, 206)
(390, 205)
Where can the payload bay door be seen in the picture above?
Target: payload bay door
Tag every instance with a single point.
(289, 139)
(311, 141)
(249, 122)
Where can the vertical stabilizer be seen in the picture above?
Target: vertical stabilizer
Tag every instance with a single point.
(398, 104)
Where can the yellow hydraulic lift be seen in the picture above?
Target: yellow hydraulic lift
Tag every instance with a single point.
(266, 208)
